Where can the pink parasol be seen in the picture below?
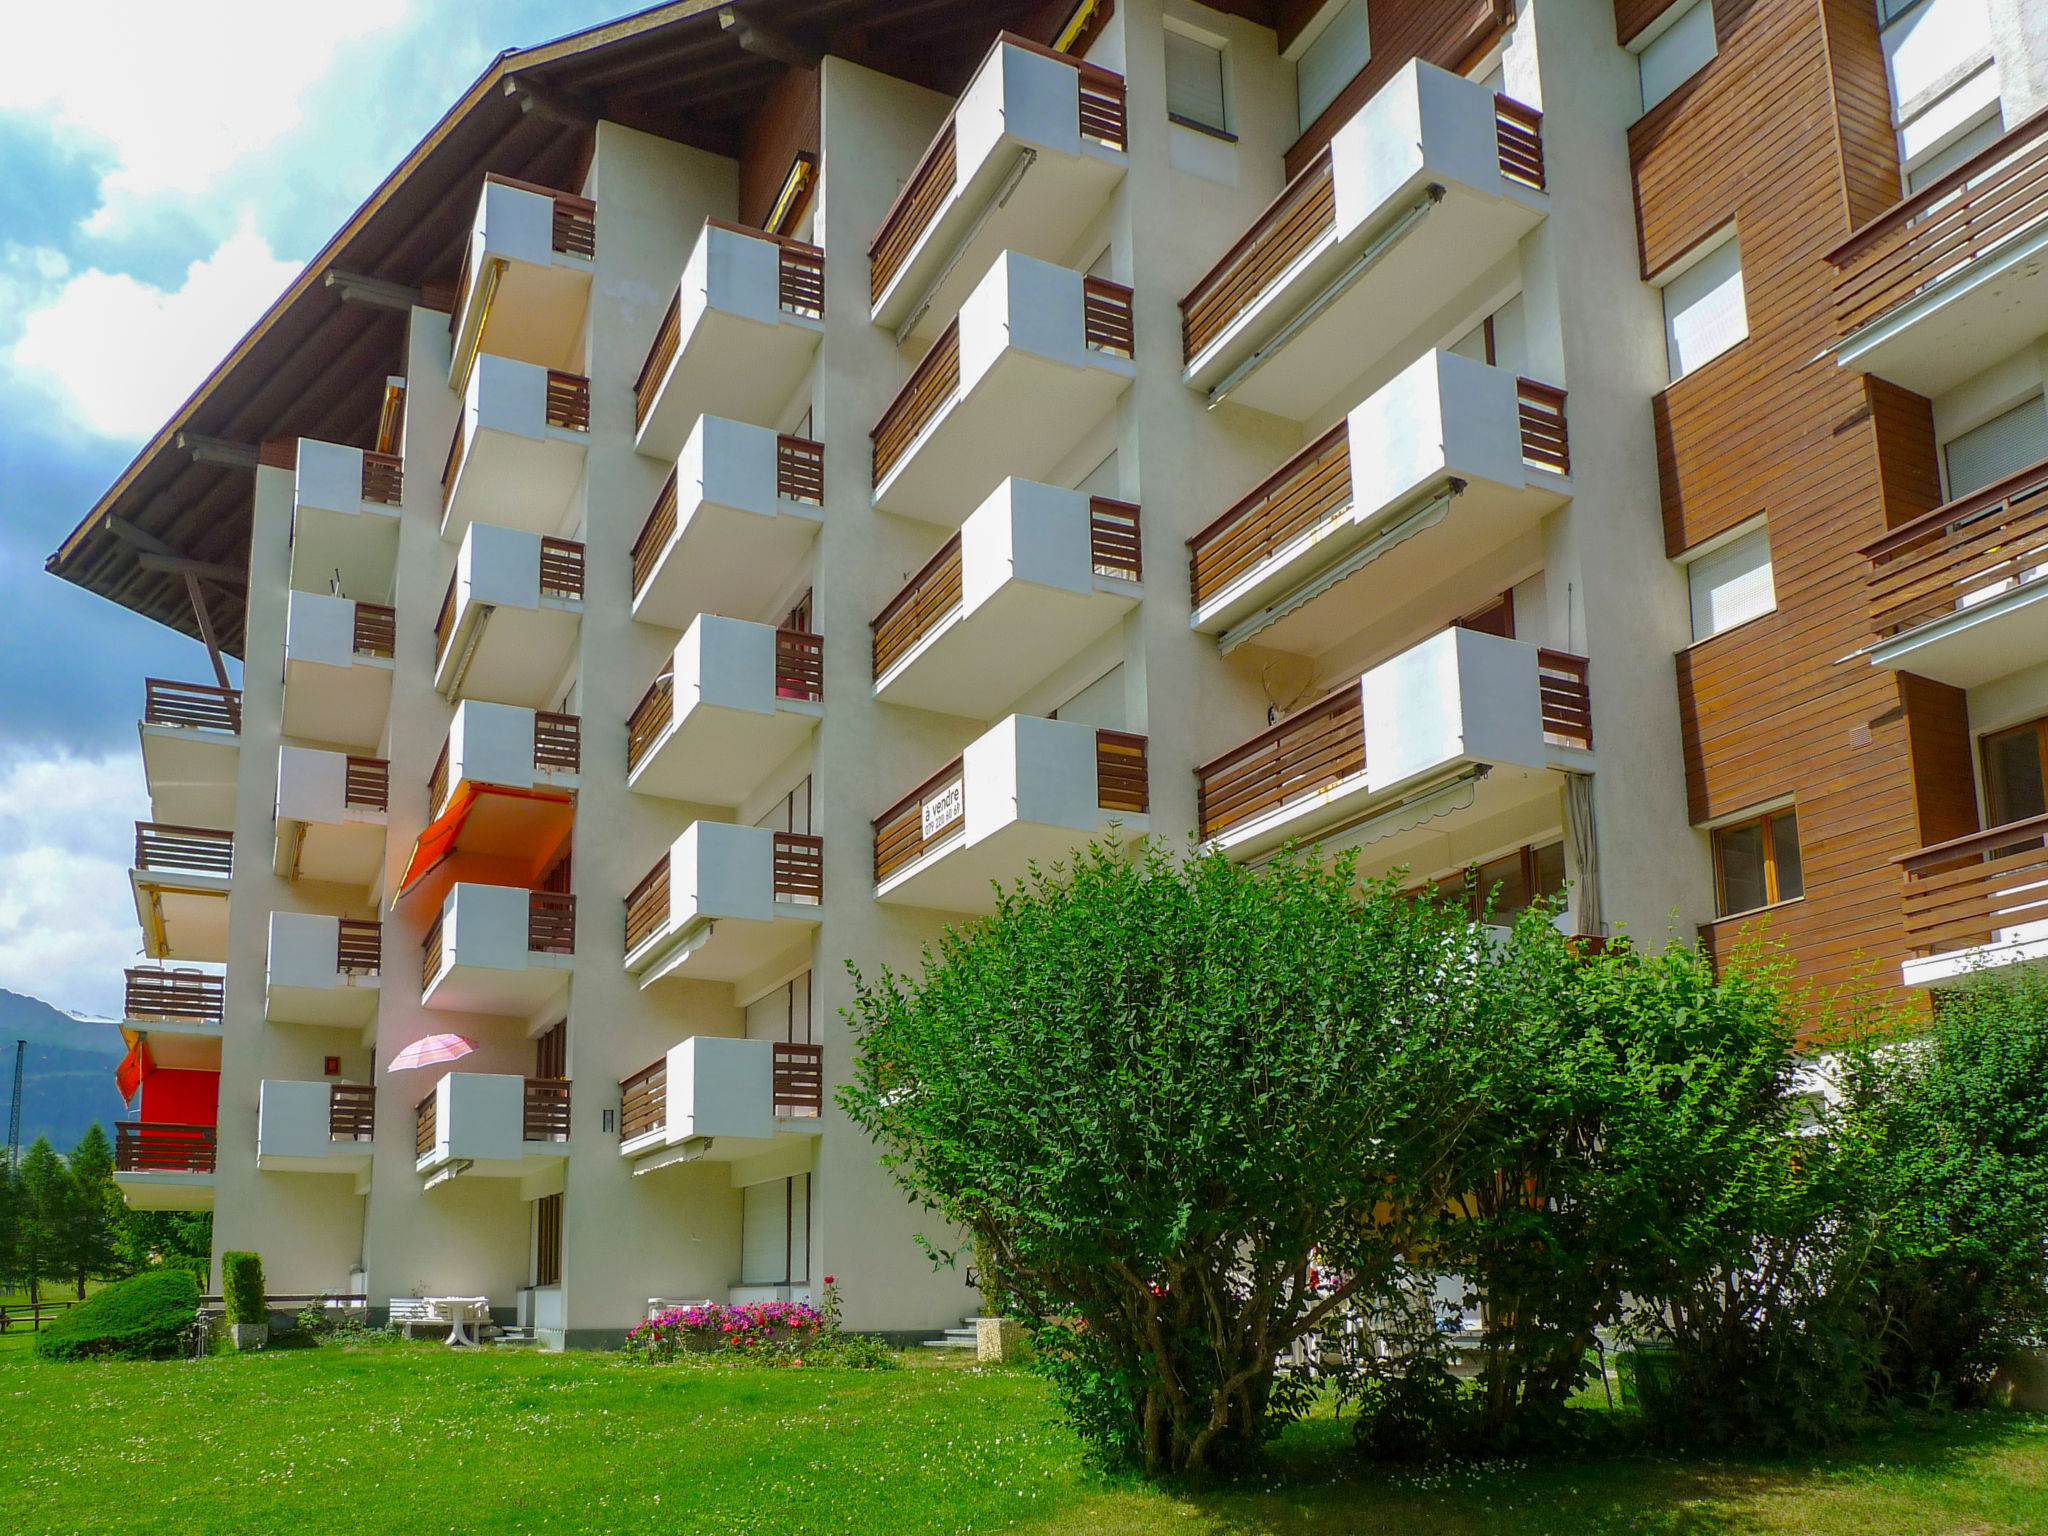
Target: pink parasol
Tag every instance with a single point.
(434, 1048)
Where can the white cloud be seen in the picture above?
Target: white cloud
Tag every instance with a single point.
(123, 355)
(67, 920)
(178, 92)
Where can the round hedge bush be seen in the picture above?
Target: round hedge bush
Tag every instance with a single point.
(138, 1319)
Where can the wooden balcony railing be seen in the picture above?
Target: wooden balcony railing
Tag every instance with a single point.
(921, 820)
(1546, 442)
(1310, 489)
(425, 1130)
(547, 1110)
(550, 923)
(561, 569)
(438, 785)
(933, 382)
(1964, 893)
(799, 867)
(799, 665)
(799, 1079)
(431, 954)
(1567, 702)
(351, 1112)
(458, 444)
(1302, 214)
(1518, 135)
(1966, 551)
(661, 352)
(568, 404)
(367, 784)
(1106, 320)
(655, 534)
(193, 996)
(142, 1146)
(383, 478)
(557, 742)
(360, 949)
(1995, 195)
(1113, 547)
(184, 850)
(643, 1101)
(444, 621)
(199, 705)
(1120, 779)
(647, 906)
(800, 290)
(800, 469)
(926, 599)
(1305, 753)
(651, 716)
(376, 630)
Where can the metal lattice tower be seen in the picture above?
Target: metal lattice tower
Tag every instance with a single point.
(14, 1111)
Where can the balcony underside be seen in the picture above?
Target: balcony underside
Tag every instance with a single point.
(1939, 338)
(184, 1045)
(166, 1191)
(341, 853)
(191, 774)
(1396, 281)
(361, 546)
(791, 1151)
(351, 1003)
(977, 664)
(349, 1157)
(341, 706)
(959, 877)
(2003, 631)
(537, 313)
(1021, 418)
(733, 366)
(506, 993)
(540, 1165)
(718, 756)
(728, 561)
(724, 948)
(2025, 945)
(515, 482)
(509, 655)
(183, 917)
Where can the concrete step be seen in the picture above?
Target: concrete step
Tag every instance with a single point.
(964, 1337)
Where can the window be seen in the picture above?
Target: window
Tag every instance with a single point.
(1731, 583)
(1501, 889)
(1756, 863)
(1194, 84)
(1704, 314)
(1942, 161)
(1681, 51)
(547, 1240)
(2014, 787)
(2003, 446)
(1332, 61)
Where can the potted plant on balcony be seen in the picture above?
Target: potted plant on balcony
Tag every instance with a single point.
(248, 1310)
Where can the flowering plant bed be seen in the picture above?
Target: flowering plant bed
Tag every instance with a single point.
(753, 1327)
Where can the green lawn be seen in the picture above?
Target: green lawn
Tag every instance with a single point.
(398, 1438)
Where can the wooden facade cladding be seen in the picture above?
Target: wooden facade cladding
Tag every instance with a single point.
(1776, 134)
(785, 126)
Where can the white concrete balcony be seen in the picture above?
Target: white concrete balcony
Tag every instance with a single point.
(752, 1103)
(317, 1127)
(1027, 790)
(493, 1125)
(1433, 181)
(1460, 730)
(723, 903)
(738, 338)
(499, 949)
(1952, 277)
(510, 618)
(517, 454)
(191, 751)
(323, 970)
(345, 510)
(1033, 578)
(1025, 162)
(507, 747)
(1036, 359)
(180, 882)
(1448, 463)
(331, 816)
(178, 1011)
(731, 525)
(337, 669)
(525, 286)
(733, 702)
(160, 1166)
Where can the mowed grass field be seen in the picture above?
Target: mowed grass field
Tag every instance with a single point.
(413, 1438)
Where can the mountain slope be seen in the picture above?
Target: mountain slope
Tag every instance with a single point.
(68, 1081)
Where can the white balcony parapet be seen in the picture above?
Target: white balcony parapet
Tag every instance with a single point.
(731, 525)
(519, 445)
(753, 1104)
(525, 286)
(191, 751)
(1033, 578)
(735, 700)
(1431, 183)
(723, 903)
(738, 337)
(337, 669)
(331, 815)
(1035, 360)
(509, 620)
(323, 970)
(505, 745)
(499, 949)
(494, 1125)
(315, 1127)
(345, 513)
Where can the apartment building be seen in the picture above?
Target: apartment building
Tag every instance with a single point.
(755, 476)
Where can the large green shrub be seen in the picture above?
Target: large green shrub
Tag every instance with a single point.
(241, 1277)
(139, 1318)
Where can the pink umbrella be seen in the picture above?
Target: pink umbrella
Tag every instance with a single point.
(434, 1048)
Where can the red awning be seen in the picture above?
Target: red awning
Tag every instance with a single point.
(493, 820)
(135, 1066)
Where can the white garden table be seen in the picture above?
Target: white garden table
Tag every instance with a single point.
(460, 1313)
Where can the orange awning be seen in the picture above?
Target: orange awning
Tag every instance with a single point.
(493, 821)
(135, 1066)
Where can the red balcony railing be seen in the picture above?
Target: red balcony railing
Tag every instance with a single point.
(199, 705)
(799, 665)
(799, 1079)
(1964, 893)
(920, 821)
(933, 382)
(367, 784)
(643, 1107)
(360, 949)
(142, 1146)
(561, 569)
(184, 850)
(799, 867)
(192, 996)
(1973, 547)
(376, 630)
(547, 1110)
(550, 923)
(351, 1112)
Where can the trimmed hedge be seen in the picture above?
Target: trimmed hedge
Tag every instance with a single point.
(241, 1279)
(139, 1318)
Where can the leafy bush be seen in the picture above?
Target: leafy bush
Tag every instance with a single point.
(139, 1318)
(241, 1277)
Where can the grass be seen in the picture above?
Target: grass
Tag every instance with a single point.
(390, 1437)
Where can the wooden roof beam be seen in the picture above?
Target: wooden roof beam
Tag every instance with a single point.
(218, 450)
(376, 292)
(757, 37)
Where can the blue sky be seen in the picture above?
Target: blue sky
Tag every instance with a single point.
(165, 169)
